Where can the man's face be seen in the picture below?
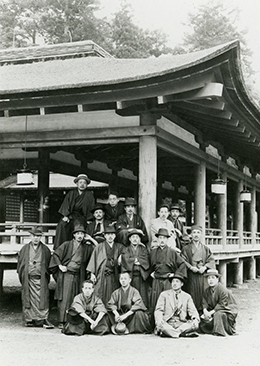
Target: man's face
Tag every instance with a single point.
(196, 235)
(110, 237)
(135, 239)
(175, 213)
(88, 289)
(124, 279)
(163, 213)
(212, 280)
(176, 284)
(82, 184)
(79, 236)
(35, 239)
(162, 241)
(130, 209)
(113, 200)
(99, 214)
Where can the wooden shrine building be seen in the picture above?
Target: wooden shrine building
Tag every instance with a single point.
(151, 128)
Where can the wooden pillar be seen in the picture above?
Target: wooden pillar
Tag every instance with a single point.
(43, 184)
(188, 205)
(252, 269)
(238, 275)
(253, 217)
(222, 268)
(239, 222)
(200, 196)
(222, 213)
(147, 173)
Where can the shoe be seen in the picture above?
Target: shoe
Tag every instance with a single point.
(190, 335)
(29, 324)
(61, 325)
(47, 324)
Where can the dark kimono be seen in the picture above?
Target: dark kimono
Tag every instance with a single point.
(96, 230)
(78, 208)
(139, 273)
(178, 225)
(104, 265)
(91, 306)
(112, 213)
(69, 283)
(33, 271)
(197, 257)
(124, 224)
(163, 262)
(123, 301)
(223, 320)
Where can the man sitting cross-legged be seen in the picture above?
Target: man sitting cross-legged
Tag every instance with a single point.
(175, 313)
(126, 306)
(87, 314)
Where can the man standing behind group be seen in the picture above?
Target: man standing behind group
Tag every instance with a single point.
(114, 208)
(135, 260)
(75, 209)
(96, 228)
(175, 211)
(198, 258)
(163, 222)
(130, 220)
(104, 266)
(68, 265)
(33, 271)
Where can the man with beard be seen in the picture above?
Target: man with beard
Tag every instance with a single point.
(68, 265)
(198, 258)
(135, 260)
(75, 209)
(96, 228)
(104, 265)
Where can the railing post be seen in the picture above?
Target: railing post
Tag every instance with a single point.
(253, 216)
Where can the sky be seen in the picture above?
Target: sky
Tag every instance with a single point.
(171, 15)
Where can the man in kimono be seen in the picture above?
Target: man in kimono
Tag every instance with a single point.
(104, 265)
(126, 305)
(198, 258)
(165, 263)
(96, 228)
(75, 209)
(163, 222)
(114, 208)
(175, 211)
(33, 271)
(68, 265)
(175, 313)
(130, 220)
(136, 261)
(219, 307)
(87, 314)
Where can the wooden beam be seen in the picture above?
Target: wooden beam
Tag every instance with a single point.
(204, 110)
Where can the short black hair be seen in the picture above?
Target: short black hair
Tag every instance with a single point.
(87, 281)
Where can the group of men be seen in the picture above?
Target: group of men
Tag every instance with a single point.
(109, 277)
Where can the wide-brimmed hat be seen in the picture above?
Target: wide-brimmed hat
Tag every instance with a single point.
(119, 329)
(130, 201)
(135, 231)
(175, 206)
(212, 272)
(98, 206)
(35, 231)
(196, 227)
(162, 232)
(109, 229)
(74, 317)
(78, 228)
(179, 276)
(82, 176)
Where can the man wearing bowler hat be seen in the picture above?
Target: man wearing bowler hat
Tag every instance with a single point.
(165, 262)
(96, 228)
(175, 313)
(219, 307)
(33, 271)
(75, 209)
(198, 259)
(130, 220)
(68, 265)
(104, 265)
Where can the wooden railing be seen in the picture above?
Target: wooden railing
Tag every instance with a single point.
(213, 237)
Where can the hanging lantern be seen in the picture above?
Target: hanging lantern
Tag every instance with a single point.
(24, 176)
(218, 186)
(245, 196)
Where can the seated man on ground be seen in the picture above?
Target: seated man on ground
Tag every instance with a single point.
(175, 313)
(126, 306)
(219, 307)
(87, 314)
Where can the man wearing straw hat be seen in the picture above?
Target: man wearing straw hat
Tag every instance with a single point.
(33, 271)
(75, 209)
